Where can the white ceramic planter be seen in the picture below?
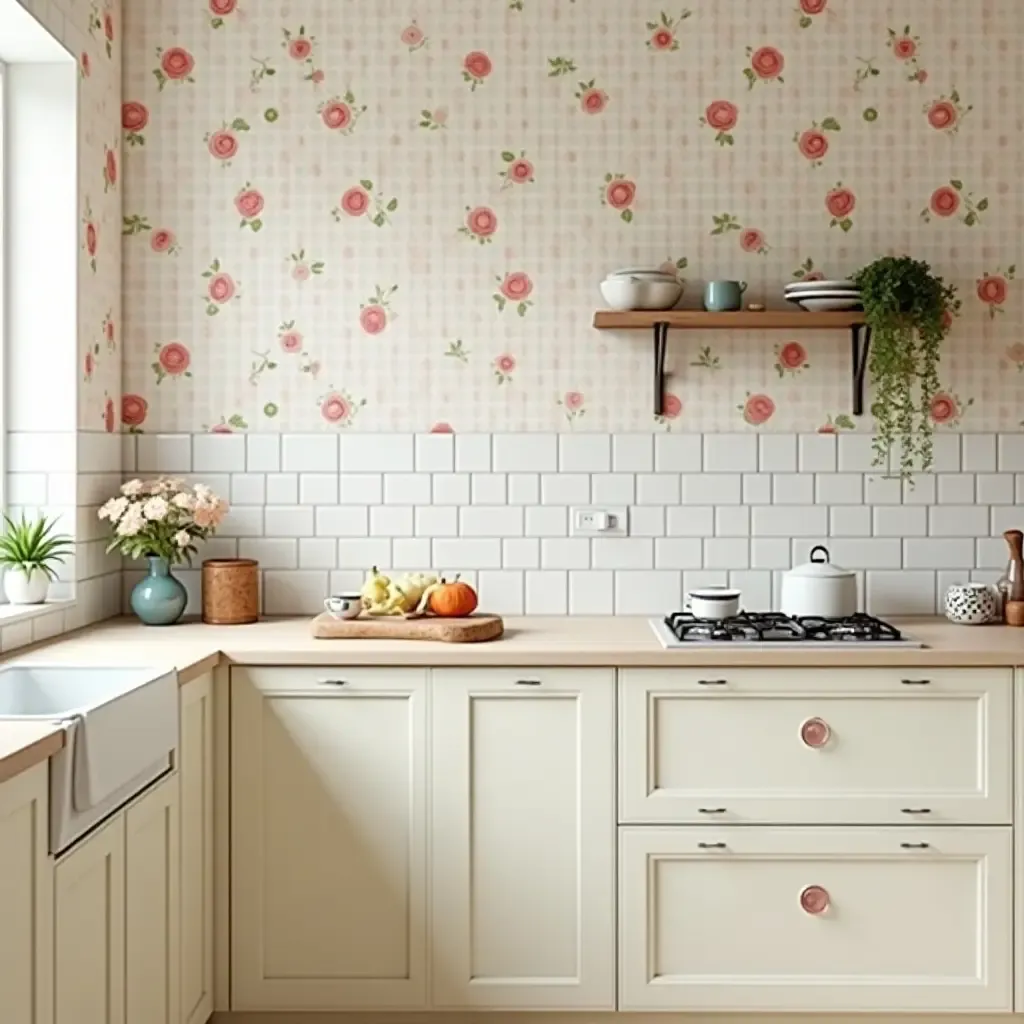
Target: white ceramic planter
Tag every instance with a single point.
(22, 589)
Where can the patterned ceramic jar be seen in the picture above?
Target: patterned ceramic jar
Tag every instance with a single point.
(972, 604)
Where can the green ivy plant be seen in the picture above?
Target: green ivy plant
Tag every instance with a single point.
(906, 307)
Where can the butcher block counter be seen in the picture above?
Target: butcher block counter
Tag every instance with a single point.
(617, 642)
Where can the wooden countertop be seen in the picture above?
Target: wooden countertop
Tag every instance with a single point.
(194, 649)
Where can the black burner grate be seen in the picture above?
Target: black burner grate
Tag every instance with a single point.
(774, 627)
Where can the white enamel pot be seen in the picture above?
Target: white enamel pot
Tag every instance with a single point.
(819, 588)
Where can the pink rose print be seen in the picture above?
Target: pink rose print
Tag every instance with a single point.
(572, 402)
(340, 113)
(172, 360)
(992, 289)
(790, 358)
(175, 65)
(163, 240)
(89, 363)
(946, 409)
(834, 424)
(104, 24)
(592, 100)
(619, 192)
(724, 223)
(300, 49)
(442, 428)
(109, 416)
(133, 411)
(481, 223)
(671, 410)
(219, 10)
(339, 407)
(905, 46)
(108, 331)
(109, 169)
(813, 143)
(223, 143)
(953, 200)
(807, 272)
(840, 202)
(288, 338)
(1015, 353)
(220, 288)
(518, 170)
(663, 32)
(766, 65)
(946, 113)
(228, 425)
(108, 27)
(375, 314)
(504, 367)
(357, 200)
(302, 268)
(413, 37)
(807, 10)
(85, 64)
(249, 204)
(721, 115)
(753, 240)
(134, 117)
(514, 289)
(433, 120)
(757, 409)
(476, 66)
(90, 239)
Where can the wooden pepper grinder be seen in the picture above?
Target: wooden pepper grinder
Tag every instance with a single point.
(1015, 578)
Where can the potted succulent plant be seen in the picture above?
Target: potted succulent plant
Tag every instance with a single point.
(909, 310)
(29, 552)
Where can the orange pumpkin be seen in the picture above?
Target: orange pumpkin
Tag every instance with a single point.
(453, 600)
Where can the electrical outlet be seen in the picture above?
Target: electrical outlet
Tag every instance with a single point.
(607, 521)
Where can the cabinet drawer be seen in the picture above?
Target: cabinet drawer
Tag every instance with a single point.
(330, 681)
(808, 747)
(815, 919)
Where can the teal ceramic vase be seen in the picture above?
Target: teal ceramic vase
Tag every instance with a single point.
(158, 599)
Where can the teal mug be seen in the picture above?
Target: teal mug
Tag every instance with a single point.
(722, 296)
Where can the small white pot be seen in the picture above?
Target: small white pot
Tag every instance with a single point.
(713, 602)
(22, 589)
(819, 589)
(972, 604)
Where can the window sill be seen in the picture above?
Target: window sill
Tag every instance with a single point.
(10, 613)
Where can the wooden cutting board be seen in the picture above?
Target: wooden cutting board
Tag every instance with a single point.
(470, 630)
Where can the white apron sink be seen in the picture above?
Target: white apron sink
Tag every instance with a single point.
(122, 730)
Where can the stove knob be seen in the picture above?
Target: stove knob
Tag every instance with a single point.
(814, 899)
(815, 733)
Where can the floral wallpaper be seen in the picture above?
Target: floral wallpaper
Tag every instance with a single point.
(346, 215)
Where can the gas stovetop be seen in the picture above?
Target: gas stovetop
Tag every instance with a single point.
(755, 629)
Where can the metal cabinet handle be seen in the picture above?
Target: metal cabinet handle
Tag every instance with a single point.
(711, 810)
(711, 682)
(915, 810)
(711, 846)
(916, 682)
(914, 846)
(527, 682)
(333, 682)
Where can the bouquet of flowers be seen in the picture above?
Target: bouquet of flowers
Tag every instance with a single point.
(162, 518)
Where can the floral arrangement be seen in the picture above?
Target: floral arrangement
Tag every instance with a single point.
(162, 518)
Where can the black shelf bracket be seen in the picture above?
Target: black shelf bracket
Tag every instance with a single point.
(860, 346)
(660, 348)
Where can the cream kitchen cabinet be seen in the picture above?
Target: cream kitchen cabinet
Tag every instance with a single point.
(801, 746)
(195, 771)
(523, 838)
(827, 919)
(26, 900)
(328, 847)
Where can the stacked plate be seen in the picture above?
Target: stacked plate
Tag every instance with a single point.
(641, 288)
(824, 296)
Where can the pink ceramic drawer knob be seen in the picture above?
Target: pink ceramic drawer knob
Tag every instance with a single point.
(814, 899)
(815, 732)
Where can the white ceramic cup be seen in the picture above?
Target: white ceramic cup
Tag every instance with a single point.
(344, 606)
(714, 602)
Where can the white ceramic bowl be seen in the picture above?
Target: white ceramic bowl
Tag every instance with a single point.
(635, 293)
(714, 602)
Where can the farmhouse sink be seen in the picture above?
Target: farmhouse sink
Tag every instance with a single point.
(121, 729)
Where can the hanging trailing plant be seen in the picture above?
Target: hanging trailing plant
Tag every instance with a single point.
(907, 308)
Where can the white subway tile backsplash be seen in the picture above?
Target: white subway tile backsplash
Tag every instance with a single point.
(647, 593)
(777, 453)
(26, 489)
(263, 453)
(882, 490)
(491, 521)
(451, 489)
(343, 521)
(657, 489)
(584, 453)
(770, 553)
(407, 488)
(730, 453)
(726, 553)
(991, 553)
(757, 488)
(547, 592)
(1010, 453)
(994, 489)
(501, 592)
(647, 521)
(817, 453)
(459, 553)
(958, 520)
(550, 521)
(155, 453)
(1003, 518)
(243, 521)
(756, 587)
(218, 453)
(248, 489)
(793, 489)
(678, 453)
(838, 488)
(955, 488)
(591, 593)
(292, 592)
(128, 457)
(855, 454)
(282, 488)
(704, 578)
(901, 593)
(784, 520)
(945, 453)
(920, 490)
(411, 554)
(930, 553)
(377, 453)
(288, 521)
(523, 453)
(309, 453)
(690, 521)
(679, 553)
(612, 489)
(360, 488)
(978, 453)
(850, 521)
(318, 488)
(732, 521)
(390, 521)
(565, 489)
(322, 553)
(345, 581)
(489, 488)
(271, 554)
(633, 453)
(623, 553)
(437, 521)
(565, 553)
(434, 453)
(711, 489)
(866, 553)
(900, 521)
(520, 553)
(524, 488)
(473, 453)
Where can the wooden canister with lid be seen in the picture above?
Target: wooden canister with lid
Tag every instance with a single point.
(231, 591)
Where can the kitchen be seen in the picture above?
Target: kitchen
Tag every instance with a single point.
(341, 265)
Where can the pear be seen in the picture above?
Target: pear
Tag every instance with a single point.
(375, 589)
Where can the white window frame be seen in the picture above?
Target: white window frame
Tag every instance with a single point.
(4, 235)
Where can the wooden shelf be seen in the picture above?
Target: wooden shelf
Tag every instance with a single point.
(697, 319)
(741, 320)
